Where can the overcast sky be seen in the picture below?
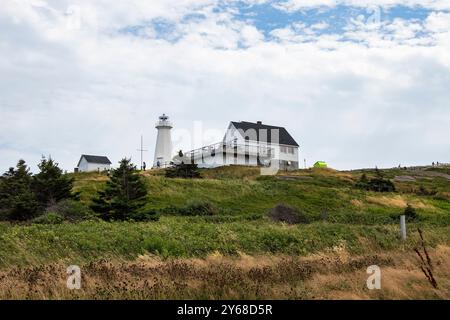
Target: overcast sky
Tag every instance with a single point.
(357, 83)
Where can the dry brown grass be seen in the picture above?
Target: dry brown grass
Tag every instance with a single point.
(397, 202)
(357, 203)
(331, 275)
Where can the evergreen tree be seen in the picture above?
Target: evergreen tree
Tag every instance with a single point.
(17, 200)
(125, 195)
(363, 182)
(50, 185)
(183, 170)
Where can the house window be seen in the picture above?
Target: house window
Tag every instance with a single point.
(289, 150)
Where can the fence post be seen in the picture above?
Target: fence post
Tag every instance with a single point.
(403, 226)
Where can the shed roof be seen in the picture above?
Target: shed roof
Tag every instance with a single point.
(94, 159)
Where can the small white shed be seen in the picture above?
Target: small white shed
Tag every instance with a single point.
(90, 163)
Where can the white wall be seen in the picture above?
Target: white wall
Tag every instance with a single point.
(163, 149)
(92, 167)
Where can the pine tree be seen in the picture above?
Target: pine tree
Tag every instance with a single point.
(51, 185)
(125, 195)
(17, 200)
(363, 182)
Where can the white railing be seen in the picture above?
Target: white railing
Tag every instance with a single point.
(163, 123)
(231, 148)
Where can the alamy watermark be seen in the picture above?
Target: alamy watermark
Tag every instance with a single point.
(374, 280)
(74, 278)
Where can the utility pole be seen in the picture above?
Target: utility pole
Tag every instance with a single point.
(142, 150)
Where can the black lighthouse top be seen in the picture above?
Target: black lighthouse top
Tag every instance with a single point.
(164, 117)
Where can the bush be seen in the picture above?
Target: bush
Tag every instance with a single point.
(143, 216)
(381, 185)
(410, 213)
(194, 208)
(71, 210)
(363, 182)
(48, 218)
(377, 184)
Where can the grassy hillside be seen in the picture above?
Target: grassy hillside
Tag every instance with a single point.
(241, 193)
(240, 198)
(342, 217)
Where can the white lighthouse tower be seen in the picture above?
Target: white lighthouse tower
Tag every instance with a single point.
(163, 151)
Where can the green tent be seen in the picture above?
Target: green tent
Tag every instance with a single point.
(320, 164)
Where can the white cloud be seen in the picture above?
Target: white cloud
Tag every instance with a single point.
(295, 5)
(67, 91)
(438, 22)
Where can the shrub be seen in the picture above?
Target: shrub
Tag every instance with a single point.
(143, 216)
(381, 185)
(363, 182)
(48, 218)
(377, 184)
(71, 210)
(194, 208)
(410, 213)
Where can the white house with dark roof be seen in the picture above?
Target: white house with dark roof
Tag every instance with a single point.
(251, 144)
(89, 163)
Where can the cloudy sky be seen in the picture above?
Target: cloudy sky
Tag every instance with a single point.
(357, 83)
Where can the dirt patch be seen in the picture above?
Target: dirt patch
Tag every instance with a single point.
(283, 213)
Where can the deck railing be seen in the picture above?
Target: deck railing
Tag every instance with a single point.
(231, 148)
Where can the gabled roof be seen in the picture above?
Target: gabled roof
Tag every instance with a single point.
(95, 159)
(284, 136)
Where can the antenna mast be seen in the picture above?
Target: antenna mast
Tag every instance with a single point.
(142, 150)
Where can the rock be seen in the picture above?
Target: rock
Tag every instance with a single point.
(283, 213)
(404, 179)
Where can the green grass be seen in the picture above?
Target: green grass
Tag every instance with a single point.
(242, 198)
(191, 237)
(240, 192)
